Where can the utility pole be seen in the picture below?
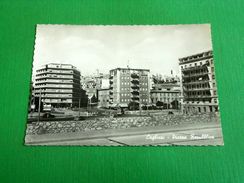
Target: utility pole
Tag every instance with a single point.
(140, 104)
(79, 108)
(39, 105)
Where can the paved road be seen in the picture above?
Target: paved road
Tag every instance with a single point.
(209, 134)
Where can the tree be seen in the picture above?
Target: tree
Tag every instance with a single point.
(133, 106)
(159, 103)
(94, 99)
(175, 104)
(36, 102)
(144, 107)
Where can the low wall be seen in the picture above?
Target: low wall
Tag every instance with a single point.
(101, 123)
(89, 124)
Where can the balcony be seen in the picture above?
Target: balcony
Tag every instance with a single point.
(197, 96)
(135, 98)
(111, 81)
(195, 82)
(196, 89)
(196, 68)
(195, 75)
(135, 82)
(135, 87)
(135, 93)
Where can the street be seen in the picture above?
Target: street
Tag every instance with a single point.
(197, 134)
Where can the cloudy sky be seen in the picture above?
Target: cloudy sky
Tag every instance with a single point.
(89, 48)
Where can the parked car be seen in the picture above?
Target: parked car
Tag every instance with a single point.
(48, 115)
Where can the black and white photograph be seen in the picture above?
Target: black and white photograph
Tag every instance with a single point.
(123, 85)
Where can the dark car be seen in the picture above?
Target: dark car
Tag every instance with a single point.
(48, 115)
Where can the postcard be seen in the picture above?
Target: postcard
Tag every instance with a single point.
(117, 85)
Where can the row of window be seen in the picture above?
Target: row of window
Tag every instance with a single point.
(196, 64)
(125, 94)
(128, 100)
(53, 95)
(204, 85)
(48, 90)
(198, 93)
(164, 94)
(164, 99)
(58, 100)
(56, 71)
(55, 76)
(125, 77)
(125, 100)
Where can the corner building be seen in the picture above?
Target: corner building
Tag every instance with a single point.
(58, 85)
(129, 85)
(198, 84)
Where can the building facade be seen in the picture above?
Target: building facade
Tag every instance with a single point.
(198, 84)
(129, 85)
(103, 97)
(165, 93)
(58, 85)
(93, 83)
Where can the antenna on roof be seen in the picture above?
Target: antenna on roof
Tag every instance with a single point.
(128, 64)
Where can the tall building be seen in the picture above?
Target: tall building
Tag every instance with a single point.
(129, 85)
(199, 91)
(58, 85)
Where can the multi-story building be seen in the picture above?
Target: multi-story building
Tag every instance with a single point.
(58, 85)
(166, 93)
(199, 91)
(129, 85)
(103, 97)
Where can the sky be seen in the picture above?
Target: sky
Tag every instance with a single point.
(92, 48)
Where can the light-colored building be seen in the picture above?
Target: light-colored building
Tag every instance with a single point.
(129, 85)
(103, 97)
(58, 85)
(166, 93)
(198, 84)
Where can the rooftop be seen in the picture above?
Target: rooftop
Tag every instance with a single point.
(130, 69)
(196, 57)
(58, 65)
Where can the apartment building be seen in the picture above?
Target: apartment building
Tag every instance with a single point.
(129, 85)
(58, 85)
(198, 84)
